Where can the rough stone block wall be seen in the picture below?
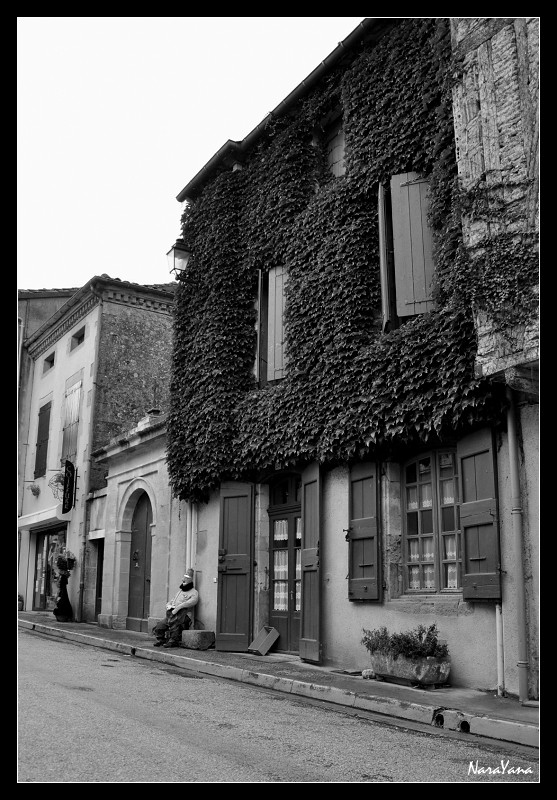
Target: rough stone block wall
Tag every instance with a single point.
(134, 369)
(496, 118)
(497, 131)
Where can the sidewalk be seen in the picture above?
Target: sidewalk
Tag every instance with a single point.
(465, 710)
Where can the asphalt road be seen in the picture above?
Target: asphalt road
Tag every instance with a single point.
(88, 715)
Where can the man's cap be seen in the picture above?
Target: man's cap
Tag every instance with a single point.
(188, 575)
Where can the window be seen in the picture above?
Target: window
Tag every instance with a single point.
(431, 523)
(334, 144)
(48, 363)
(77, 338)
(406, 248)
(71, 421)
(271, 364)
(42, 440)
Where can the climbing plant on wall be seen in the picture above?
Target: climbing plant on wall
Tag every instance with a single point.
(350, 391)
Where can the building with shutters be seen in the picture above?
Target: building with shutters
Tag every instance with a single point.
(353, 410)
(88, 370)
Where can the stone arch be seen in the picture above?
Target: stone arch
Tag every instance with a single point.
(129, 502)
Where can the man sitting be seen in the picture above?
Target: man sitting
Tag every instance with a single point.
(177, 619)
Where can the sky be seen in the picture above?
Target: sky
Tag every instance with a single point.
(117, 114)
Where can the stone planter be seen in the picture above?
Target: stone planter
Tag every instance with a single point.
(425, 671)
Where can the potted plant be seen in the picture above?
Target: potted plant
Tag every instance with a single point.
(415, 656)
(65, 561)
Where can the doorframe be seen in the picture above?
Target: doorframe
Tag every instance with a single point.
(276, 509)
(122, 546)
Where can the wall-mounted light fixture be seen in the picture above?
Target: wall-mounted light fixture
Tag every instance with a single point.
(178, 257)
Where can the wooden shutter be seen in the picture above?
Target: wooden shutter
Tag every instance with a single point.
(42, 440)
(71, 422)
(364, 573)
(481, 577)
(275, 325)
(412, 243)
(310, 620)
(235, 569)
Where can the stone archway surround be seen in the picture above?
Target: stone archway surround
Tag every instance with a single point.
(122, 547)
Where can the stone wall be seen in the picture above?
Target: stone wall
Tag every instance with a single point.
(134, 368)
(496, 99)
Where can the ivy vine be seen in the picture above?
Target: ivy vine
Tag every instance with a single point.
(350, 391)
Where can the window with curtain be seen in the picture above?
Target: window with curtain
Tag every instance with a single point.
(432, 523)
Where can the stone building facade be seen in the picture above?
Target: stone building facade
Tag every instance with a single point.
(98, 362)
(322, 543)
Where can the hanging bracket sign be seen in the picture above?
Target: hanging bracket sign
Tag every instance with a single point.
(69, 488)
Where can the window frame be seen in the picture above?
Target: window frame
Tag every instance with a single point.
(48, 362)
(77, 338)
(437, 534)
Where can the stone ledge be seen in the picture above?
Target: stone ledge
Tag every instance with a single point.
(198, 640)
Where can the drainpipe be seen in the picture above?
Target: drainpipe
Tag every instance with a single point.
(516, 514)
(194, 551)
(500, 651)
(19, 346)
(86, 490)
(188, 536)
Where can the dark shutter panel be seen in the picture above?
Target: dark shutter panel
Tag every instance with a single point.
(310, 620)
(235, 562)
(412, 243)
(262, 293)
(364, 573)
(479, 522)
(388, 307)
(42, 441)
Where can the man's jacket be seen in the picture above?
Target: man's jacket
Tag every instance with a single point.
(183, 600)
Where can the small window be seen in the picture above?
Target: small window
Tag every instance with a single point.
(77, 339)
(48, 363)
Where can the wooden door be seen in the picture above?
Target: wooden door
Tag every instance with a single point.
(310, 622)
(139, 595)
(235, 568)
(285, 571)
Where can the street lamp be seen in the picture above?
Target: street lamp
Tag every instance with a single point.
(178, 257)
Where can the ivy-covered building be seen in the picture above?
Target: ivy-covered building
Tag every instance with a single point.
(353, 400)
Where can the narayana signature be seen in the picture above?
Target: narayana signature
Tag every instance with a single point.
(503, 769)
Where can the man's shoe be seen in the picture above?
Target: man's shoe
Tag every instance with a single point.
(158, 643)
(171, 644)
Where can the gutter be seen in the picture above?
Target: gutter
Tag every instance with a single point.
(234, 151)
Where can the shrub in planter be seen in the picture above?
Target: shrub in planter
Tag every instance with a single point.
(415, 656)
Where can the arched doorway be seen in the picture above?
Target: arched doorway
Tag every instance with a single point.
(139, 594)
(285, 541)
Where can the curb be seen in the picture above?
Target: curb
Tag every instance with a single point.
(437, 716)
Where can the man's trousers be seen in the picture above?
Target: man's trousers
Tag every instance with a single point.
(172, 625)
